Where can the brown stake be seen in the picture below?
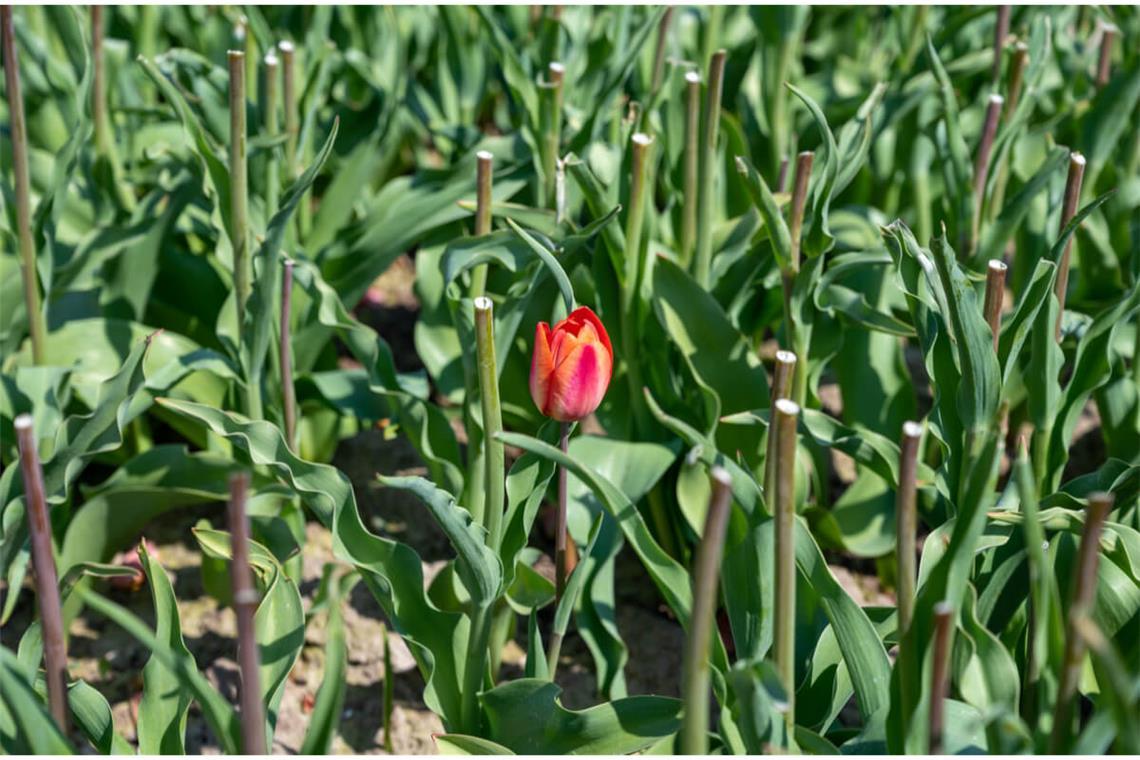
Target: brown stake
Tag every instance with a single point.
(799, 201)
(787, 414)
(1104, 63)
(1081, 598)
(1001, 31)
(782, 177)
(943, 628)
(985, 149)
(1016, 76)
(288, 392)
(907, 522)
(484, 176)
(995, 294)
(1068, 211)
(245, 606)
(43, 561)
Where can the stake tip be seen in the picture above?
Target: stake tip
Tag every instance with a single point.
(996, 99)
(943, 610)
(721, 476)
(642, 139)
(23, 422)
(912, 429)
(482, 303)
(235, 55)
(285, 46)
(784, 356)
(997, 266)
(485, 155)
(1077, 158)
(270, 59)
(693, 77)
(787, 407)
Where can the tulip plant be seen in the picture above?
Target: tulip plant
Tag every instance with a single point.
(816, 294)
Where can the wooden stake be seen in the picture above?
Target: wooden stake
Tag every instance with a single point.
(995, 294)
(1068, 211)
(907, 523)
(245, 607)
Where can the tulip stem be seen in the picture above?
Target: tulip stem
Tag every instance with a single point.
(707, 170)
(492, 419)
(1081, 602)
(943, 627)
(787, 413)
(245, 607)
(288, 392)
(706, 577)
(37, 325)
(561, 572)
(691, 164)
(43, 560)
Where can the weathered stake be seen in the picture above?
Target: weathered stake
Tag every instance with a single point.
(289, 102)
(782, 374)
(245, 607)
(799, 202)
(1068, 211)
(484, 176)
(1082, 597)
(907, 522)
(940, 681)
(995, 293)
(787, 414)
(492, 420)
(1001, 32)
(706, 576)
(43, 561)
(1104, 61)
(37, 325)
(982, 160)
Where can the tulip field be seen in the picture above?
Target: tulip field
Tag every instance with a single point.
(570, 380)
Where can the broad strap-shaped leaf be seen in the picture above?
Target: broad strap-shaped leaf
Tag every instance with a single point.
(27, 727)
(524, 716)
(392, 570)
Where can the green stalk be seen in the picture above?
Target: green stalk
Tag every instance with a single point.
(43, 561)
(706, 577)
(707, 171)
(782, 375)
(787, 413)
(939, 682)
(246, 600)
(917, 35)
(995, 295)
(37, 325)
(484, 175)
(99, 83)
(551, 130)
(561, 557)
(272, 164)
(1080, 605)
(632, 275)
(474, 668)
(1036, 639)
(492, 419)
(785, 53)
(289, 98)
(691, 162)
(907, 526)
(239, 186)
(659, 53)
(795, 229)
(1068, 211)
(288, 392)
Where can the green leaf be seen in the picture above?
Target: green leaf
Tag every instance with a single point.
(525, 717)
(25, 725)
(551, 263)
(461, 744)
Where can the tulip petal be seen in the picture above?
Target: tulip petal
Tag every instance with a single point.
(578, 383)
(541, 367)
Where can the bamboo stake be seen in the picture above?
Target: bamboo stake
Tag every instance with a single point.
(43, 561)
(245, 607)
(289, 97)
(37, 325)
(706, 577)
(982, 160)
(659, 53)
(1068, 211)
(781, 388)
(799, 202)
(239, 186)
(907, 523)
(1104, 62)
(1016, 77)
(995, 293)
(98, 81)
(787, 413)
(269, 107)
(691, 163)
(492, 420)
(1081, 602)
(707, 169)
(484, 177)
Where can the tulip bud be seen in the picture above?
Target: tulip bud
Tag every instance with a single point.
(571, 367)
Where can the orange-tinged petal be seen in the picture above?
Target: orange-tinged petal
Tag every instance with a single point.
(541, 366)
(579, 383)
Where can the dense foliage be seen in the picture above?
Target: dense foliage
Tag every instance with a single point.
(936, 211)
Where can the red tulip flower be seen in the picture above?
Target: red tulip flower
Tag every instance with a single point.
(572, 366)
